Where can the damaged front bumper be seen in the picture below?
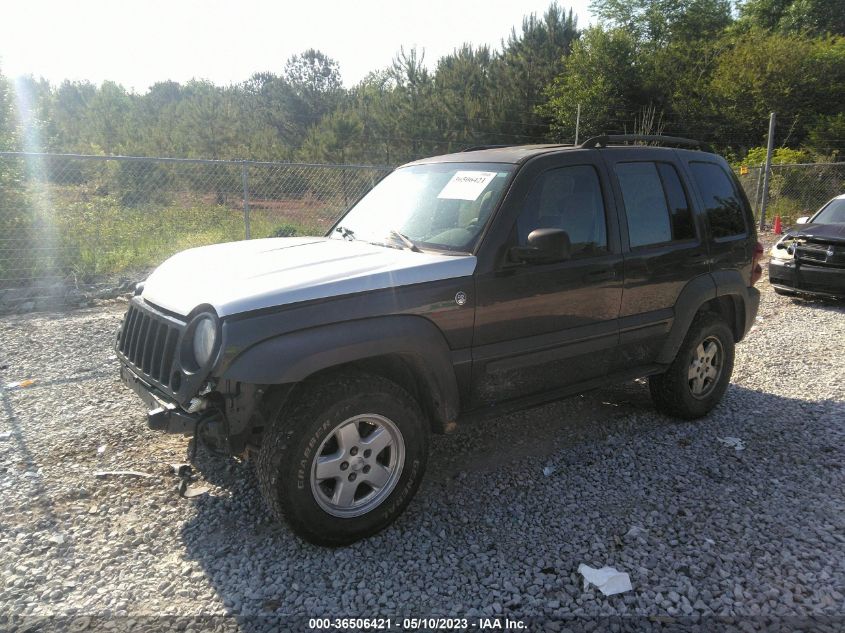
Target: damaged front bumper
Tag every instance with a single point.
(801, 277)
(163, 415)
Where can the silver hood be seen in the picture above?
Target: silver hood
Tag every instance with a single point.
(249, 275)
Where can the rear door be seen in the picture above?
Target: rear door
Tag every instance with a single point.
(540, 327)
(727, 213)
(663, 246)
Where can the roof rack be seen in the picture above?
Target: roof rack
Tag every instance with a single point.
(475, 148)
(671, 141)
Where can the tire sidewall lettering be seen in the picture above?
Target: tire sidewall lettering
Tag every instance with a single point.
(403, 492)
(305, 461)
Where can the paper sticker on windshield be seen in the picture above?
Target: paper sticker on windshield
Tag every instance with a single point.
(467, 185)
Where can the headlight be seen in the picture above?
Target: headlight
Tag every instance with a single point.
(782, 250)
(205, 336)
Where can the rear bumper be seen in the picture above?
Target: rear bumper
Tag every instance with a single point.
(163, 415)
(817, 280)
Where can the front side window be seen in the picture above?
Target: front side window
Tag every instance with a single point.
(656, 205)
(567, 198)
(724, 207)
(440, 205)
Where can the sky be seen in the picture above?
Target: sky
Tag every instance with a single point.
(139, 42)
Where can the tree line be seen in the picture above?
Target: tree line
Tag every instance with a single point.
(700, 68)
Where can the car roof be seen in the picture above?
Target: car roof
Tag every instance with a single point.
(511, 154)
(516, 154)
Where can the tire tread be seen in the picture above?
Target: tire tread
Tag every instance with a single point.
(670, 390)
(292, 417)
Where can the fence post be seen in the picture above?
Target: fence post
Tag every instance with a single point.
(577, 123)
(757, 190)
(769, 148)
(246, 199)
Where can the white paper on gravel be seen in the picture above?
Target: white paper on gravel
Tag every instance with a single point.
(609, 580)
(466, 185)
(734, 442)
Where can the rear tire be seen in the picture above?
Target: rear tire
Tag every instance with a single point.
(698, 377)
(344, 459)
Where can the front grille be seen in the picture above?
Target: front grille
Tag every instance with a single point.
(811, 253)
(148, 341)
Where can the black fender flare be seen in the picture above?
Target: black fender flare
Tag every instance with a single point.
(293, 357)
(696, 293)
(732, 284)
(704, 288)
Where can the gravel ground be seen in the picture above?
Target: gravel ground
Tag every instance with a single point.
(721, 532)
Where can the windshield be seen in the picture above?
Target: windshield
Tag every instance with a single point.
(832, 213)
(442, 206)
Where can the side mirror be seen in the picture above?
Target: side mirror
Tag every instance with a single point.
(803, 219)
(545, 246)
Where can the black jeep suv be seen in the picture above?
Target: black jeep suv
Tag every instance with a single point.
(460, 286)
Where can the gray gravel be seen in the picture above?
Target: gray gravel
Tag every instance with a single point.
(701, 528)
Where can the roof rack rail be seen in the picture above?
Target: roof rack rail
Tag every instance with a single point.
(475, 148)
(676, 141)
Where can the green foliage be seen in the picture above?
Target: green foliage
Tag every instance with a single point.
(780, 156)
(334, 139)
(315, 80)
(800, 78)
(529, 62)
(813, 17)
(789, 209)
(686, 65)
(286, 230)
(602, 75)
(85, 235)
(820, 133)
(7, 121)
(683, 67)
(662, 21)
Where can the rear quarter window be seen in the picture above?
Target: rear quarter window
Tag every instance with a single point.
(724, 206)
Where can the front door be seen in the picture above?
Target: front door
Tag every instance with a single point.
(540, 327)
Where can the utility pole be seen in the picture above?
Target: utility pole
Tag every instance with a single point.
(769, 148)
(577, 122)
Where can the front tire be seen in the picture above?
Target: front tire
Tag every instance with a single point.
(344, 459)
(698, 377)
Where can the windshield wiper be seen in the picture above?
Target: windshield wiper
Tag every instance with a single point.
(407, 241)
(345, 233)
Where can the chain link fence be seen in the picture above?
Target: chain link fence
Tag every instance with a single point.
(74, 228)
(794, 190)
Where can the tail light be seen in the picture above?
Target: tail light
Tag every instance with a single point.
(756, 268)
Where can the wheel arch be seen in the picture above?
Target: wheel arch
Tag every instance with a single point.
(409, 350)
(722, 292)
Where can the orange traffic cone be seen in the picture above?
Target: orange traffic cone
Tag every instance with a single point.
(777, 228)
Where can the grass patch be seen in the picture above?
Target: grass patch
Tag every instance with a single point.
(68, 232)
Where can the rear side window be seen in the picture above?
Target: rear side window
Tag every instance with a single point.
(725, 210)
(679, 209)
(655, 203)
